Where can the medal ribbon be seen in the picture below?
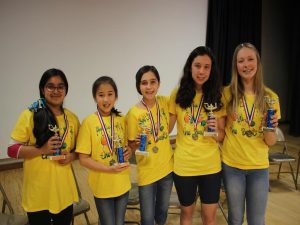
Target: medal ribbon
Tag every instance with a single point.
(195, 120)
(66, 131)
(109, 141)
(248, 115)
(155, 129)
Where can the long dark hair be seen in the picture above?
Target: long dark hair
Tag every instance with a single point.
(43, 117)
(110, 81)
(212, 88)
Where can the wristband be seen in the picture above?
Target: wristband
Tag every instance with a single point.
(13, 150)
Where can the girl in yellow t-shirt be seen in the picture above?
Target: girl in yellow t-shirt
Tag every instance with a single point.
(246, 144)
(150, 117)
(100, 145)
(45, 129)
(197, 162)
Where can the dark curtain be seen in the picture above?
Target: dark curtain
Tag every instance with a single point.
(294, 76)
(229, 23)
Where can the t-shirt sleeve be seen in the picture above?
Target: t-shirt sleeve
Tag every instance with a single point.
(84, 144)
(23, 127)
(172, 102)
(131, 125)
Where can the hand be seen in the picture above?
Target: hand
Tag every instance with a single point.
(127, 153)
(134, 145)
(70, 156)
(212, 124)
(137, 142)
(117, 168)
(274, 120)
(51, 145)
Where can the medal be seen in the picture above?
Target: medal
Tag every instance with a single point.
(195, 136)
(109, 140)
(155, 129)
(195, 119)
(155, 149)
(249, 115)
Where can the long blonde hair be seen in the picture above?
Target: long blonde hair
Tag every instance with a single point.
(237, 87)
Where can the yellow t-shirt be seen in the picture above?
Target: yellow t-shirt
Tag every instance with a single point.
(47, 185)
(244, 145)
(156, 165)
(194, 157)
(91, 141)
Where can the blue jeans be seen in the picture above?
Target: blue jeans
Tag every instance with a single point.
(246, 186)
(154, 201)
(111, 211)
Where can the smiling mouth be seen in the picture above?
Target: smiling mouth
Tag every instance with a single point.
(247, 71)
(149, 93)
(201, 78)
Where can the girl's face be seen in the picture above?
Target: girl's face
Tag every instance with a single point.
(149, 86)
(105, 98)
(201, 68)
(55, 91)
(246, 63)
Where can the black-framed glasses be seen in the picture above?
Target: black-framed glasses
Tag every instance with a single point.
(59, 88)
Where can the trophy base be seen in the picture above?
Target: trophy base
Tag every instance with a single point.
(210, 134)
(56, 157)
(143, 153)
(121, 164)
(272, 129)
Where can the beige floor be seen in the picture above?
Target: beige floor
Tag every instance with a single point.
(283, 205)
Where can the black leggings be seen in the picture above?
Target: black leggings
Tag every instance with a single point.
(45, 217)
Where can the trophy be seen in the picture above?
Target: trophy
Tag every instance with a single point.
(57, 155)
(119, 150)
(210, 108)
(143, 142)
(270, 112)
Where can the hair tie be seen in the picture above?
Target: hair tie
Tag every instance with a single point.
(39, 104)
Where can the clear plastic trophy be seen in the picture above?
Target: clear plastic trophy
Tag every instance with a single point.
(210, 108)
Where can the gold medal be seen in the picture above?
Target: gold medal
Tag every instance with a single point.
(155, 149)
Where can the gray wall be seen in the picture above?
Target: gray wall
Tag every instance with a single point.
(87, 39)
